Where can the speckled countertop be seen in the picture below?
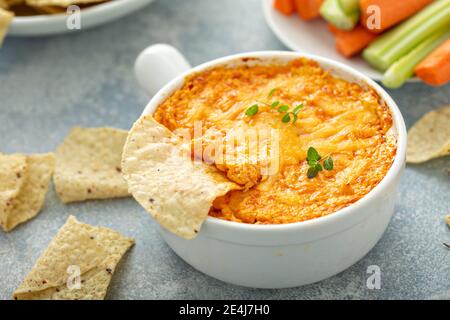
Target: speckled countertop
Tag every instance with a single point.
(48, 85)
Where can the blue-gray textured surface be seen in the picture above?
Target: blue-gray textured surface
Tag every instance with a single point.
(48, 85)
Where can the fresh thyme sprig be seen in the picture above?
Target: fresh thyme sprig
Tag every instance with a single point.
(284, 108)
(274, 104)
(313, 158)
(271, 92)
(252, 110)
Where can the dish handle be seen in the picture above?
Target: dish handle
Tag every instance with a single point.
(157, 65)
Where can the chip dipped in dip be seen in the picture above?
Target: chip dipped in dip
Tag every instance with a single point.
(332, 144)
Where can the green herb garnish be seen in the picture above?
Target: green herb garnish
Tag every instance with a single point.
(297, 109)
(312, 172)
(271, 92)
(252, 110)
(328, 164)
(313, 155)
(286, 118)
(274, 105)
(313, 158)
(283, 108)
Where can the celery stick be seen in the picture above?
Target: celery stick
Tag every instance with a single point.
(391, 37)
(349, 6)
(403, 69)
(397, 42)
(332, 12)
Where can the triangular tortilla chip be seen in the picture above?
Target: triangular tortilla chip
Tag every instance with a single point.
(12, 176)
(5, 20)
(14, 2)
(95, 251)
(176, 191)
(430, 136)
(88, 165)
(50, 9)
(30, 199)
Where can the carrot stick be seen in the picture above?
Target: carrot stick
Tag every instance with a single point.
(435, 68)
(349, 43)
(286, 7)
(308, 9)
(333, 29)
(390, 12)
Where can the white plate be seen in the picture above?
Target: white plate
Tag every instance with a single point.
(56, 23)
(311, 37)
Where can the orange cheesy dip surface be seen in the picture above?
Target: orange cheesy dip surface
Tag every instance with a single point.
(342, 120)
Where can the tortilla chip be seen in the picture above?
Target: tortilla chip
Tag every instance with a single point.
(88, 165)
(32, 195)
(447, 220)
(27, 203)
(12, 176)
(6, 4)
(430, 137)
(60, 3)
(176, 191)
(50, 9)
(95, 251)
(5, 20)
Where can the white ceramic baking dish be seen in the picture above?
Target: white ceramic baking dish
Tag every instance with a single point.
(287, 255)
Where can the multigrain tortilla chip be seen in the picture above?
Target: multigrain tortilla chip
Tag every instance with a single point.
(430, 137)
(5, 20)
(12, 176)
(27, 203)
(14, 2)
(60, 3)
(51, 9)
(88, 165)
(176, 191)
(93, 251)
(31, 198)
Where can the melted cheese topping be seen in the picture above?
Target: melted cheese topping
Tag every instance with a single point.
(344, 120)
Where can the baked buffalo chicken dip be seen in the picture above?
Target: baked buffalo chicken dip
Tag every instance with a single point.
(267, 144)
